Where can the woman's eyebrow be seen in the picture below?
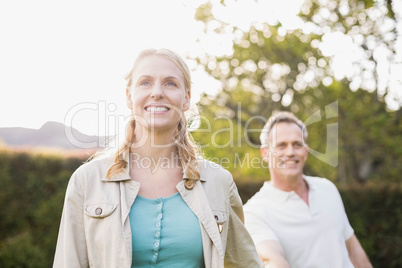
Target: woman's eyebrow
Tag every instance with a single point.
(144, 76)
(172, 77)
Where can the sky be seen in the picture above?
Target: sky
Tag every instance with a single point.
(65, 61)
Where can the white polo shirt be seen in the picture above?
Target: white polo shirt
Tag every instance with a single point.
(311, 235)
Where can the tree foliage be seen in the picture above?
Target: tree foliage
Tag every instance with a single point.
(271, 68)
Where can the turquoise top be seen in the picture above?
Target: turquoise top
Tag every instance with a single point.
(165, 233)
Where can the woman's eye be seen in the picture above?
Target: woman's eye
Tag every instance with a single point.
(145, 83)
(171, 84)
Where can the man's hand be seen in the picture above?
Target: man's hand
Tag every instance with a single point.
(271, 254)
(276, 264)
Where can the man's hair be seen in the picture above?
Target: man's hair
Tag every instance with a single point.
(279, 117)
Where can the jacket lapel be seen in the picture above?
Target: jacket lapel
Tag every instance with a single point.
(128, 192)
(197, 201)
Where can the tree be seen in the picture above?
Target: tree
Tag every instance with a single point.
(273, 69)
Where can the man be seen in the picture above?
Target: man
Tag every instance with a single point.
(296, 220)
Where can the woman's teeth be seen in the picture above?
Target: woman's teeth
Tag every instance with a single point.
(156, 109)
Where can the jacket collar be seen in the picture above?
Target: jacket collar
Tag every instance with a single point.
(124, 174)
(200, 165)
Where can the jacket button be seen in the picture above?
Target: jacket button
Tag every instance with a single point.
(98, 211)
(189, 184)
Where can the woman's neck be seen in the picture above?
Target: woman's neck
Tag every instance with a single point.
(153, 147)
(154, 152)
(154, 140)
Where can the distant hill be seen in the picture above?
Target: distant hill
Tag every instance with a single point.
(51, 134)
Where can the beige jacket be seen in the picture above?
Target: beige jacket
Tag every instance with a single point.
(95, 229)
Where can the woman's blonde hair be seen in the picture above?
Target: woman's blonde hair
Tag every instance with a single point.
(186, 150)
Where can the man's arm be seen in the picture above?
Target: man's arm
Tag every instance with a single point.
(271, 254)
(356, 253)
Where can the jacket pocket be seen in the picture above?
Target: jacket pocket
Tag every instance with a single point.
(100, 210)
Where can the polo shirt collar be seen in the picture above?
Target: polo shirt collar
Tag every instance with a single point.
(311, 185)
(281, 196)
(274, 193)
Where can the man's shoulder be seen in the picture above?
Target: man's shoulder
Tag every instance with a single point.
(318, 180)
(262, 196)
(320, 183)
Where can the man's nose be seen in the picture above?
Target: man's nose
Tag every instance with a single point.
(289, 150)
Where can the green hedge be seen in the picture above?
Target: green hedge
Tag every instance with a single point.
(32, 188)
(375, 213)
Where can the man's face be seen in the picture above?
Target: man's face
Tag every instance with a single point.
(286, 151)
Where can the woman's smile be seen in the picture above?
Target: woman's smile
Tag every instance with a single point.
(157, 108)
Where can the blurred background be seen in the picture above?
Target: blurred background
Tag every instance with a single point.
(336, 64)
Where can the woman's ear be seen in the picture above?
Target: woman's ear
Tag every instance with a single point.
(187, 101)
(129, 101)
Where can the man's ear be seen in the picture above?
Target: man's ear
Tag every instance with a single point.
(305, 152)
(129, 101)
(264, 153)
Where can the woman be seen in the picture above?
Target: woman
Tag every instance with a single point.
(154, 203)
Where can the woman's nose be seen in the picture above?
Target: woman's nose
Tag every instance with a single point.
(157, 92)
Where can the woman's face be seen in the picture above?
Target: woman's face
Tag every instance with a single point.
(157, 96)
